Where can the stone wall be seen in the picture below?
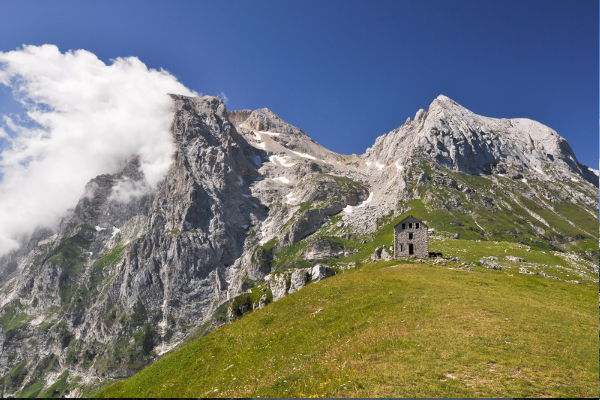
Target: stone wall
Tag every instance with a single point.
(419, 241)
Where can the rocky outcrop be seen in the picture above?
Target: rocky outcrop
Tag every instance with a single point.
(290, 281)
(382, 253)
(322, 249)
(237, 117)
(299, 278)
(319, 272)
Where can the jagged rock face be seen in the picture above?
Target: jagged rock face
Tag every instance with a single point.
(461, 140)
(236, 117)
(198, 217)
(153, 263)
(132, 268)
(322, 249)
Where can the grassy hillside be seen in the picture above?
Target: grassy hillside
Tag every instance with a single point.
(409, 330)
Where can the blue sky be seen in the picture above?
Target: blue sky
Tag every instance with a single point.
(348, 71)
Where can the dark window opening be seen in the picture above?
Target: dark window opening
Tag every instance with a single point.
(403, 226)
(417, 225)
(410, 235)
(401, 248)
(411, 248)
(410, 225)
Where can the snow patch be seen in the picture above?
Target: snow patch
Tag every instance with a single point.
(269, 133)
(99, 228)
(304, 155)
(349, 209)
(281, 160)
(115, 230)
(367, 201)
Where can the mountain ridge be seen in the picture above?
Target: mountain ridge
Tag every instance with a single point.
(249, 198)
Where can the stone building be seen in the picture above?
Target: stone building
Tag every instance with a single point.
(411, 238)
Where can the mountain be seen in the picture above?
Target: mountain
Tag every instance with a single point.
(250, 210)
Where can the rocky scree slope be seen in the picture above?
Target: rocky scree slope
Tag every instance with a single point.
(248, 207)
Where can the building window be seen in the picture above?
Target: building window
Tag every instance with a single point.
(403, 226)
(410, 225)
(410, 235)
(417, 225)
(401, 248)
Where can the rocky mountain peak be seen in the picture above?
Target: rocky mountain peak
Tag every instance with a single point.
(457, 138)
(266, 120)
(444, 100)
(443, 107)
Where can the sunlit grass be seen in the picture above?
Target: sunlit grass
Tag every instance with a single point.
(400, 331)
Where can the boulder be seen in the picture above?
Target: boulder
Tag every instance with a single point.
(321, 271)
(298, 279)
(491, 265)
(385, 255)
(279, 285)
(489, 258)
(515, 259)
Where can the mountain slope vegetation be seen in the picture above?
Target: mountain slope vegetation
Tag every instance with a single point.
(407, 330)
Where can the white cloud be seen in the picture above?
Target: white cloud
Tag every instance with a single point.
(224, 97)
(126, 190)
(88, 118)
